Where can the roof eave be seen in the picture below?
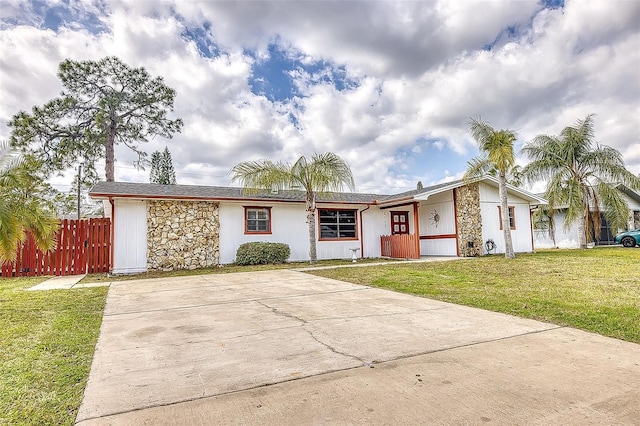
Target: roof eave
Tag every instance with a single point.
(106, 196)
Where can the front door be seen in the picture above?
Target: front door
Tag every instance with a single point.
(399, 223)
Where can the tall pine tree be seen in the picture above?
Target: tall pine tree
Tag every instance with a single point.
(104, 103)
(162, 168)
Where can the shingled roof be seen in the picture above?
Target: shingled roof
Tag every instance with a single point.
(194, 192)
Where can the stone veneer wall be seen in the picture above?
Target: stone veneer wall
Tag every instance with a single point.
(469, 220)
(182, 235)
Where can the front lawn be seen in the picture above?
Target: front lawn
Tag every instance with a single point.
(594, 289)
(47, 339)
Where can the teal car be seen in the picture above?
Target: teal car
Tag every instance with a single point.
(629, 238)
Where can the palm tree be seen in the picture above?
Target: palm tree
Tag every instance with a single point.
(19, 211)
(316, 175)
(579, 174)
(496, 157)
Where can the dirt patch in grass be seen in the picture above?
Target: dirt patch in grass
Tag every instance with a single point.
(595, 289)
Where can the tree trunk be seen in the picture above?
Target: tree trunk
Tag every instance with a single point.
(582, 231)
(311, 221)
(506, 226)
(109, 150)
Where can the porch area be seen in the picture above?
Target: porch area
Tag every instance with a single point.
(400, 246)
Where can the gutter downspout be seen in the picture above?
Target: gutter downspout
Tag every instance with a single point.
(361, 232)
(113, 226)
(416, 226)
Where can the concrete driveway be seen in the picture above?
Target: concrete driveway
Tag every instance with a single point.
(288, 348)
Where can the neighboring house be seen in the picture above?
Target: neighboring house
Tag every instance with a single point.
(562, 237)
(162, 227)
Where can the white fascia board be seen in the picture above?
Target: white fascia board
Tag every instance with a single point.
(532, 198)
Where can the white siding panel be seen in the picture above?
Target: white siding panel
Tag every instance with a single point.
(633, 204)
(130, 237)
(374, 224)
(564, 238)
(438, 247)
(289, 226)
(446, 215)
(489, 193)
(106, 208)
(442, 205)
(521, 236)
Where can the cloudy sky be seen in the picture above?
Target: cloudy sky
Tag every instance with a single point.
(389, 86)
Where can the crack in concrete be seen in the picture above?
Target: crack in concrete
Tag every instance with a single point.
(226, 302)
(303, 324)
(335, 351)
(281, 312)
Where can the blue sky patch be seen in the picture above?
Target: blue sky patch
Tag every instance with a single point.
(431, 162)
(203, 39)
(271, 76)
(274, 77)
(553, 4)
(64, 14)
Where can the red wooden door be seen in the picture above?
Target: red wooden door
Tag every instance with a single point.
(399, 223)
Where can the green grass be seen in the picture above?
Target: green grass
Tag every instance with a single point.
(47, 340)
(595, 289)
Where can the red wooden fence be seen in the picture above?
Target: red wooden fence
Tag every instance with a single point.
(82, 246)
(399, 246)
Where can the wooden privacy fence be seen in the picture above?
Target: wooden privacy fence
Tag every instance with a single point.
(400, 246)
(82, 246)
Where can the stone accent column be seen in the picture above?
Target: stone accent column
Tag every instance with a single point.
(182, 235)
(469, 220)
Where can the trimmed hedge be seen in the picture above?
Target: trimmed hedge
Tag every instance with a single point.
(262, 253)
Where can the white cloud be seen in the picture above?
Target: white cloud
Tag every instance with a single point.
(419, 69)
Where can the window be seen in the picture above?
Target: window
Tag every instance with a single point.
(512, 217)
(257, 220)
(337, 224)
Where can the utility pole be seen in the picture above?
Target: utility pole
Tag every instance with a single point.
(79, 179)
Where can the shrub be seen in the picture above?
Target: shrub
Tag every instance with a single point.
(262, 253)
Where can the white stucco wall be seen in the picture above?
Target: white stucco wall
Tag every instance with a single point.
(129, 237)
(634, 206)
(568, 237)
(289, 226)
(564, 237)
(375, 222)
(521, 236)
(442, 204)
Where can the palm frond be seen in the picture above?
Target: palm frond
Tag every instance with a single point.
(11, 231)
(616, 210)
(477, 167)
(328, 172)
(496, 145)
(262, 174)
